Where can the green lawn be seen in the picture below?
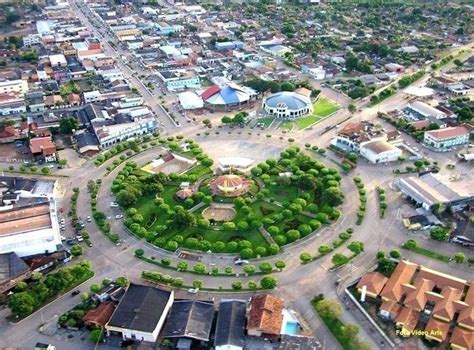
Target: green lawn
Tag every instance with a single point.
(287, 125)
(266, 121)
(431, 254)
(322, 108)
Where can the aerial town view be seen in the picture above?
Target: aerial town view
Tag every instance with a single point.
(237, 174)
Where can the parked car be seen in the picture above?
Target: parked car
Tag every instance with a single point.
(114, 205)
(89, 219)
(118, 217)
(193, 290)
(76, 292)
(79, 238)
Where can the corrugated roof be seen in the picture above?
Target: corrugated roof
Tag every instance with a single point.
(189, 318)
(230, 328)
(140, 308)
(210, 92)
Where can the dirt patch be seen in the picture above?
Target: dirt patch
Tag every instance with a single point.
(219, 212)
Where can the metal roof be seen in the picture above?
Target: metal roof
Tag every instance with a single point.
(230, 328)
(292, 100)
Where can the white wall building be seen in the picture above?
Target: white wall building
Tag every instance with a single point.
(446, 139)
(28, 227)
(58, 60)
(380, 152)
(287, 104)
(92, 96)
(17, 85)
(141, 313)
(426, 110)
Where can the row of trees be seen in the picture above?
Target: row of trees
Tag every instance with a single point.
(267, 282)
(27, 298)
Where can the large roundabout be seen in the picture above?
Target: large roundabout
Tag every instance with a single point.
(253, 213)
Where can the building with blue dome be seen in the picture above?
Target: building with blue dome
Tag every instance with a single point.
(289, 105)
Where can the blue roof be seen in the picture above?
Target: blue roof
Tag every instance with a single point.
(292, 100)
(229, 95)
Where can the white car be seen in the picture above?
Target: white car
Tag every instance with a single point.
(63, 238)
(89, 219)
(119, 216)
(114, 205)
(241, 262)
(193, 290)
(79, 238)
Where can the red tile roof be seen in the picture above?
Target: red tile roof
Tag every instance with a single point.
(466, 316)
(265, 314)
(462, 338)
(402, 274)
(417, 298)
(449, 132)
(43, 145)
(374, 281)
(446, 308)
(408, 317)
(437, 329)
(100, 315)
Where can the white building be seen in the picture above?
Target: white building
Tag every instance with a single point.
(287, 104)
(317, 73)
(17, 85)
(58, 60)
(446, 139)
(426, 110)
(112, 74)
(31, 39)
(92, 96)
(239, 164)
(380, 152)
(141, 313)
(430, 189)
(28, 216)
(190, 100)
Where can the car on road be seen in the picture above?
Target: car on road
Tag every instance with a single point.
(118, 216)
(76, 292)
(240, 262)
(89, 219)
(193, 290)
(114, 205)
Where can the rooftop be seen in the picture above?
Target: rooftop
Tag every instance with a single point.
(265, 314)
(189, 318)
(291, 100)
(230, 328)
(140, 308)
